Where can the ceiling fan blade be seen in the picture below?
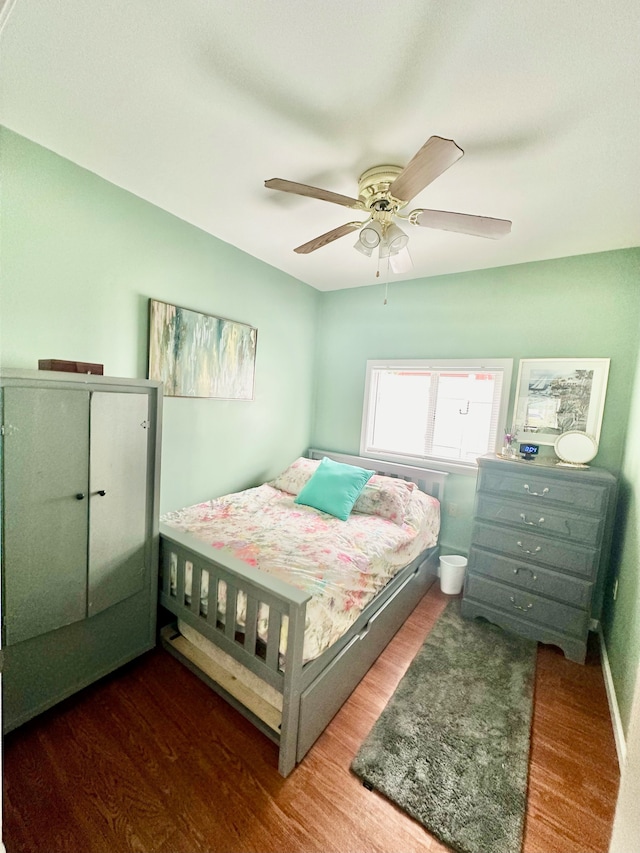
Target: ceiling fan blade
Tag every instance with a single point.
(463, 223)
(311, 192)
(434, 158)
(329, 237)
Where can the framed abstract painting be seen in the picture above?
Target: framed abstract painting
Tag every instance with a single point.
(199, 355)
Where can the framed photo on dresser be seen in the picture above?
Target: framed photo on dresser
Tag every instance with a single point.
(555, 395)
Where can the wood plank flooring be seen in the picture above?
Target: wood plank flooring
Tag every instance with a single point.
(151, 760)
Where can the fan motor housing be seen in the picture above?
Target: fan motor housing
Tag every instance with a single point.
(373, 188)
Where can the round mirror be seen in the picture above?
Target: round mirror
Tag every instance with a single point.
(575, 447)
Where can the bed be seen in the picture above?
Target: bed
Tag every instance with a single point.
(274, 627)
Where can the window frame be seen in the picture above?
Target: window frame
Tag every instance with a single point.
(505, 365)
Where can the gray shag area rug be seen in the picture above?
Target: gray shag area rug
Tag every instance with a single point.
(451, 748)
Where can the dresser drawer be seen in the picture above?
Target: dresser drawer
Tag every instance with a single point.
(565, 588)
(534, 548)
(548, 520)
(541, 490)
(552, 614)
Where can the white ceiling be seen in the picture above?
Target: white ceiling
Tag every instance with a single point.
(192, 104)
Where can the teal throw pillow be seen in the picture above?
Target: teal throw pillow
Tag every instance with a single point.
(334, 488)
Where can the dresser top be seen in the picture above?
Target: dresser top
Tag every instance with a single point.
(546, 468)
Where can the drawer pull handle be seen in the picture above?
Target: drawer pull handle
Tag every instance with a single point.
(518, 606)
(527, 551)
(537, 494)
(531, 523)
(534, 577)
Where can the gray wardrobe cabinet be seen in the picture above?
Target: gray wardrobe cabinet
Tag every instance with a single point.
(80, 477)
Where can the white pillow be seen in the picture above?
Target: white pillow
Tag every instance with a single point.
(387, 497)
(296, 476)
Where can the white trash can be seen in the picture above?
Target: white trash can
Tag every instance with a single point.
(452, 567)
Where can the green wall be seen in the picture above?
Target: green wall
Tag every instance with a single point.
(80, 259)
(583, 306)
(622, 617)
(587, 306)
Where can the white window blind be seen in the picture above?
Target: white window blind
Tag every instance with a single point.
(439, 410)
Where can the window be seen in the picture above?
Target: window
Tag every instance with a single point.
(439, 411)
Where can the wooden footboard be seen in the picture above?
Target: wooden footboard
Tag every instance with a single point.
(311, 693)
(182, 555)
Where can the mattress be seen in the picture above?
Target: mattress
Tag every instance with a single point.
(341, 564)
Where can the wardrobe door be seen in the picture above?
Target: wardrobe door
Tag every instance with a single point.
(118, 512)
(45, 448)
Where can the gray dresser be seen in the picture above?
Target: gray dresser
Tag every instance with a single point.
(539, 550)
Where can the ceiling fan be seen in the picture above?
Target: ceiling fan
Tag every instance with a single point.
(383, 192)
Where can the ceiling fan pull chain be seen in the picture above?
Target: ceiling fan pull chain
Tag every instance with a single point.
(386, 283)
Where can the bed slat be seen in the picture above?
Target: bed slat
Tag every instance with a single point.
(180, 579)
(250, 631)
(273, 638)
(196, 584)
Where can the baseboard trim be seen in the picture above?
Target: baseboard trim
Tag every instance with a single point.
(616, 719)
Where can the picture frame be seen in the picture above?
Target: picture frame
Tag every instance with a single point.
(200, 355)
(555, 395)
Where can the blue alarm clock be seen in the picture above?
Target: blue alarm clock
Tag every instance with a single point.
(529, 451)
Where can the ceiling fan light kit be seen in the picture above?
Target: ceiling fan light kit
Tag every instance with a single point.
(383, 191)
(370, 234)
(396, 238)
(359, 246)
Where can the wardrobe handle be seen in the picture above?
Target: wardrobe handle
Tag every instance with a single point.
(101, 492)
(80, 496)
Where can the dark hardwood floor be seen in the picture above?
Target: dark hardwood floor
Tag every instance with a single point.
(151, 760)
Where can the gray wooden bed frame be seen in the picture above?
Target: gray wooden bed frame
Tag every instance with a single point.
(312, 692)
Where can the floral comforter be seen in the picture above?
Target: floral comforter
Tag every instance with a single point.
(341, 564)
